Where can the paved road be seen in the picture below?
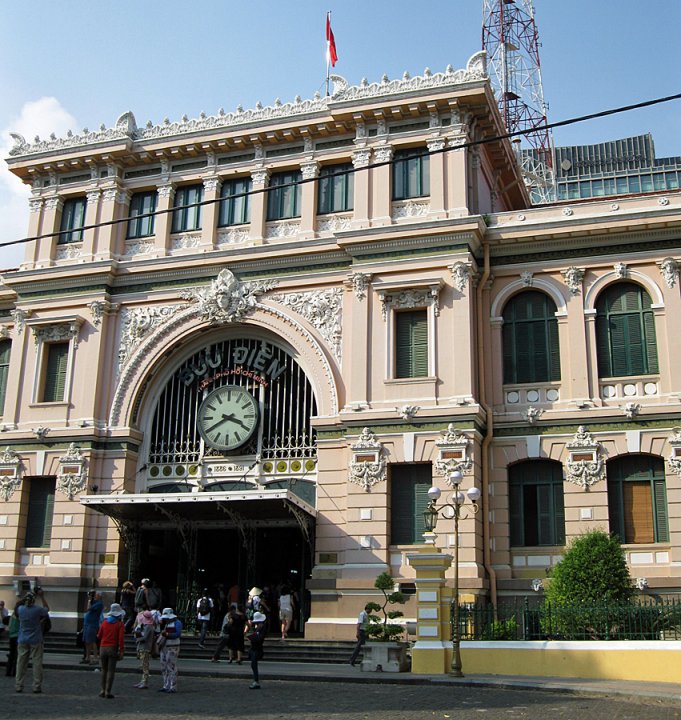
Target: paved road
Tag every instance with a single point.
(72, 695)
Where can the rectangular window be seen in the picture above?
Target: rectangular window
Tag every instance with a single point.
(5, 348)
(234, 210)
(334, 190)
(409, 485)
(411, 343)
(72, 221)
(40, 510)
(411, 174)
(187, 215)
(283, 196)
(142, 203)
(56, 361)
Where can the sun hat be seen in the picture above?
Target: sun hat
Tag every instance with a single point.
(115, 611)
(146, 618)
(258, 617)
(168, 614)
(255, 590)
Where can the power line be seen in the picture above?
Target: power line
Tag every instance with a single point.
(370, 166)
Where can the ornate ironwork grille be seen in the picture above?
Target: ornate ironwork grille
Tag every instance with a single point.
(268, 372)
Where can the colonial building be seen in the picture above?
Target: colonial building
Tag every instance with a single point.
(242, 347)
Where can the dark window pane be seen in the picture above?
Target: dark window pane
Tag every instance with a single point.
(283, 196)
(72, 221)
(55, 372)
(234, 206)
(187, 216)
(141, 204)
(411, 343)
(409, 485)
(335, 191)
(40, 511)
(5, 348)
(411, 174)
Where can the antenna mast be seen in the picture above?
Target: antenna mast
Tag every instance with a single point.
(509, 35)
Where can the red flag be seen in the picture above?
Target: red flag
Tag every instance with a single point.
(331, 54)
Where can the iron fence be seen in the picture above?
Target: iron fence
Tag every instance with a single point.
(644, 620)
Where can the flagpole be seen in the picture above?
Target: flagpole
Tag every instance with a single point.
(328, 53)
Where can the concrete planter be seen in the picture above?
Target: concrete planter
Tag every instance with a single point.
(385, 656)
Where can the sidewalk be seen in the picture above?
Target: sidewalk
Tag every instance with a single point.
(347, 674)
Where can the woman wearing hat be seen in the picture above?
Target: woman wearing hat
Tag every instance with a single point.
(144, 637)
(171, 630)
(111, 636)
(256, 636)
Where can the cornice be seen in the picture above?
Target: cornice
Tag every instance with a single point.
(569, 428)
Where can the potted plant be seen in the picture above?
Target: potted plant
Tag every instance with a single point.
(385, 651)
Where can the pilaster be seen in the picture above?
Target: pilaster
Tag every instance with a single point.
(164, 218)
(381, 186)
(308, 210)
(360, 161)
(209, 212)
(437, 178)
(51, 220)
(91, 218)
(259, 179)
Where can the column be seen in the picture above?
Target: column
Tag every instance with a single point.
(308, 209)
(437, 178)
(259, 205)
(356, 341)
(360, 161)
(163, 221)
(457, 177)
(91, 218)
(35, 225)
(50, 224)
(381, 187)
(114, 205)
(209, 212)
(432, 652)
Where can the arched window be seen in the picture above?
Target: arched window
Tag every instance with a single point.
(530, 337)
(535, 490)
(625, 332)
(637, 499)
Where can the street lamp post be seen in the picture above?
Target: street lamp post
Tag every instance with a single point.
(454, 509)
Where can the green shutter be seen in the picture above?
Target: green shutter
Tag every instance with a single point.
(55, 372)
(554, 350)
(660, 510)
(603, 346)
(40, 511)
(558, 510)
(650, 343)
(411, 344)
(515, 501)
(5, 348)
(409, 485)
(615, 509)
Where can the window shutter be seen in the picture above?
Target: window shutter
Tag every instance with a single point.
(554, 350)
(603, 346)
(515, 501)
(5, 348)
(661, 519)
(411, 344)
(619, 352)
(509, 354)
(40, 511)
(409, 485)
(615, 509)
(650, 343)
(55, 373)
(638, 512)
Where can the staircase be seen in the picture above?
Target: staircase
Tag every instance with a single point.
(294, 650)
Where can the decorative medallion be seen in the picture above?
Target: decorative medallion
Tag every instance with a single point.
(674, 458)
(585, 465)
(360, 284)
(10, 473)
(621, 270)
(321, 308)
(227, 300)
(526, 278)
(670, 271)
(454, 455)
(368, 466)
(461, 274)
(72, 477)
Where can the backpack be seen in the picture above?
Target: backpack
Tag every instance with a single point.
(204, 606)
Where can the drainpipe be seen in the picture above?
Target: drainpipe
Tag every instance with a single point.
(489, 423)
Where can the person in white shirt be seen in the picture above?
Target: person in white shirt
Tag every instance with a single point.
(204, 606)
(285, 610)
(362, 622)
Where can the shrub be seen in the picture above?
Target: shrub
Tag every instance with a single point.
(379, 628)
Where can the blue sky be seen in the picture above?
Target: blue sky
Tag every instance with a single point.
(75, 63)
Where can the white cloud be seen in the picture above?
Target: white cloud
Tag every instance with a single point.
(38, 117)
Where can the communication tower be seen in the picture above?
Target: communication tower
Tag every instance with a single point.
(509, 35)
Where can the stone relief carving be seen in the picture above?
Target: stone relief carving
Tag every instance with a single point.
(586, 462)
(227, 300)
(69, 252)
(20, 317)
(368, 466)
(631, 409)
(383, 154)
(232, 236)
(72, 477)
(409, 299)
(407, 412)
(361, 158)
(461, 274)
(621, 270)
(670, 271)
(35, 205)
(10, 473)
(532, 414)
(573, 279)
(360, 284)
(527, 278)
(211, 184)
(57, 332)
(674, 458)
(185, 240)
(4, 332)
(323, 309)
(41, 432)
(138, 248)
(309, 170)
(334, 223)
(282, 229)
(453, 453)
(138, 323)
(410, 209)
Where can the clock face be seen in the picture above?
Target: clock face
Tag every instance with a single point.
(228, 417)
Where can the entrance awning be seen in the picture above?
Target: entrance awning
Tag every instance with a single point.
(260, 507)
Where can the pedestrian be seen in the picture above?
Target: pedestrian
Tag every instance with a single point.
(141, 595)
(154, 596)
(4, 618)
(169, 642)
(30, 639)
(256, 637)
(127, 600)
(285, 610)
(145, 636)
(111, 636)
(91, 622)
(13, 632)
(204, 606)
(232, 635)
(362, 622)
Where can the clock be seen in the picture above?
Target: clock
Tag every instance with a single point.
(227, 417)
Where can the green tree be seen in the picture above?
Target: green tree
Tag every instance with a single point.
(379, 628)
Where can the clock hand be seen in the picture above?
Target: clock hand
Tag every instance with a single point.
(217, 424)
(235, 419)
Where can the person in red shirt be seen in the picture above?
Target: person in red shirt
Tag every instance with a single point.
(111, 638)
